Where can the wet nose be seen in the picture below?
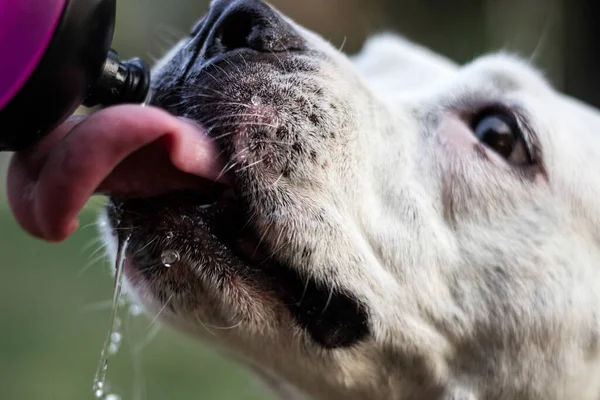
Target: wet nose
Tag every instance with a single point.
(245, 24)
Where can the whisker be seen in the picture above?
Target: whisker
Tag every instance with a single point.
(221, 103)
(251, 218)
(191, 96)
(164, 307)
(262, 237)
(164, 42)
(153, 57)
(191, 91)
(304, 291)
(92, 242)
(224, 72)
(273, 142)
(100, 248)
(249, 165)
(225, 170)
(224, 328)
(279, 59)
(277, 180)
(147, 245)
(233, 65)
(88, 226)
(90, 264)
(204, 325)
(152, 332)
(244, 60)
(236, 155)
(542, 40)
(170, 30)
(224, 135)
(343, 44)
(248, 124)
(217, 81)
(222, 117)
(278, 248)
(328, 300)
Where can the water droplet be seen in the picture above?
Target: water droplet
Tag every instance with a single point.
(115, 337)
(109, 346)
(255, 100)
(113, 348)
(135, 310)
(169, 258)
(112, 396)
(169, 235)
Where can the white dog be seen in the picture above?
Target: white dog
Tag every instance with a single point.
(396, 226)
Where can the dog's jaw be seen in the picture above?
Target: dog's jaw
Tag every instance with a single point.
(474, 280)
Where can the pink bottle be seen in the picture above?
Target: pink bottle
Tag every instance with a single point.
(56, 56)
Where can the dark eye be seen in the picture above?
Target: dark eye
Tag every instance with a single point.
(500, 132)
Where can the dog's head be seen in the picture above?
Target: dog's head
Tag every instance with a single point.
(395, 226)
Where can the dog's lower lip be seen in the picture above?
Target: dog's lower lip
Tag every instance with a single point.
(216, 217)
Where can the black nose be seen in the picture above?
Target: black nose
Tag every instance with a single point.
(250, 24)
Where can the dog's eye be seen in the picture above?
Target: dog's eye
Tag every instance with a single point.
(500, 132)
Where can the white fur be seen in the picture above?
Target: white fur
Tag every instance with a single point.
(480, 284)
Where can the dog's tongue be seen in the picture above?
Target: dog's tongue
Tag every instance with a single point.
(120, 151)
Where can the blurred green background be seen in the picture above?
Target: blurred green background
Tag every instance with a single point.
(54, 298)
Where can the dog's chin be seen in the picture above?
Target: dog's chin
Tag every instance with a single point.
(188, 246)
(224, 273)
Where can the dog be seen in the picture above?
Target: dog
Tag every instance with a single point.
(391, 226)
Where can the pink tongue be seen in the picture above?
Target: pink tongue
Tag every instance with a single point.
(122, 151)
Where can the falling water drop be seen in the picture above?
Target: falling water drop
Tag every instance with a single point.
(115, 322)
(115, 343)
(135, 310)
(113, 348)
(115, 337)
(169, 258)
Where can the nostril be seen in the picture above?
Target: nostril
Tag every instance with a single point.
(246, 24)
(235, 30)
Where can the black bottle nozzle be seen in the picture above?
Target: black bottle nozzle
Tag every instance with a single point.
(120, 82)
(78, 67)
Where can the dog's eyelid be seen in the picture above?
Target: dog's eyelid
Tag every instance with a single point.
(530, 138)
(518, 119)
